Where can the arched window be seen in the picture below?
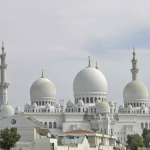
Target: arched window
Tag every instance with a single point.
(78, 109)
(49, 102)
(77, 100)
(45, 123)
(54, 124)
(48, 110)
(50, 125)
(91, 110)
(146, 125)
(46, 102)
(95, 99)
(87, 100)
(137, 104)
(91, 100)
(83, 99)
(83, 109)
(40, 103)
(145, 104)
(33, 110)
(72, 110)
(140, 104)
(99, 98)
(134, 104)
(142, 125)
(68, 110)
(131, 104)
(37, 103)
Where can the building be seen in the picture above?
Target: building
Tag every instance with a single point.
(90, 109)
(33, 133)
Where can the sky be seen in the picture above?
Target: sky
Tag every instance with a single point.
(59, 35)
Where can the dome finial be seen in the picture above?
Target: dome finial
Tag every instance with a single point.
(96, 66)
(134, 52)
(89, 62)
(42, 74)
(3, 46)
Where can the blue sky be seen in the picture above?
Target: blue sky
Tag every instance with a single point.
(58, 36)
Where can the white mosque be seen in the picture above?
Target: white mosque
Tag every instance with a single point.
(90, 109)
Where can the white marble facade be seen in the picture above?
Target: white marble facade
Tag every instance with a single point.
(90, 109)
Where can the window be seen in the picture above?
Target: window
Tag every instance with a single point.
(48, 110)
(45, 123)
(95, 99)
(37, 103)
(72, 110)
(83, 99)
(105, 131)
(146, 125)
(78, 109)
(91, 110)
(40, 103)
(33, 110)
(55, 126)
(91, 100)
(142, 125)
(87, 100)
(50, 125)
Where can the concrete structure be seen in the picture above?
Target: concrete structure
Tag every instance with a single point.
(33, 133)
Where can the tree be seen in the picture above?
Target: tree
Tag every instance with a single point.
(145, 132)
(134, 141)
(8, 138)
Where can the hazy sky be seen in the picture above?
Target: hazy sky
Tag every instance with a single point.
(59, 35)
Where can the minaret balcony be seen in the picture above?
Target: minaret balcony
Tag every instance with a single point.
(4, 85)
(3, 55)
(3, 66)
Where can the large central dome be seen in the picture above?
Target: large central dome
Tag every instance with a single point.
(90, 80)
(42, 88)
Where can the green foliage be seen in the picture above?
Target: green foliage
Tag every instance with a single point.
(145, 132)
(8, 138)
(134, 141)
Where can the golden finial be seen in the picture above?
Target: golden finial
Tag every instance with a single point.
(42, 74)
(89, 62)
(96, 66)
(3, 46)
(134, 52)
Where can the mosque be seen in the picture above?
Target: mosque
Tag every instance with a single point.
(90, 109)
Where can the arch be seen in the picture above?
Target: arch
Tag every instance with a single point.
(99, 98)
(137, 104)
(42, 103)
(78, 109)
(87, 100)
(146, 125)
(55, 125)
(39, 103)
(45, 123)
(95, 99)
(83, 99)
(134, 104)
(91, 100)
(50, 125)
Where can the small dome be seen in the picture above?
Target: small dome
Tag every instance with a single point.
(27, 106)
(135, 90)
(80, 102)
(120, 107)
(34, 105)
(111, 103)
(7, 111)
(129, 106)
(102, 107)
(58, 106)
(97, 102)
(17, 109)
(69, 104)
(143, 106)
(42, 88)
(48, 105)
(90, 80)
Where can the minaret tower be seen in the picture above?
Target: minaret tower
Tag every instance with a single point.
(3, 84)
(134, 69)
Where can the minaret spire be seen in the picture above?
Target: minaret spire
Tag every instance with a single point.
(42, 74)
(96, 66)
(134, 69)
(3, 85)
(89, 62)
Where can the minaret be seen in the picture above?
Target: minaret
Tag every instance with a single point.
(3, 84)
(134, 69)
